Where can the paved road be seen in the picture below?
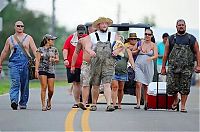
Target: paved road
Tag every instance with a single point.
(63, 118)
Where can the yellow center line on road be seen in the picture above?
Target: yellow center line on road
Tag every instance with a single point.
(84, 121)
(70, 120)
(85, 118)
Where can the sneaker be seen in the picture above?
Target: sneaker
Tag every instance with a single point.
(110, 108)
(22, 107)
(93, 108)
(14, 105)
(81, 105)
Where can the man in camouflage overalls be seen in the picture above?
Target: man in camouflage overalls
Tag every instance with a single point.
(181, 50)
(102, 62)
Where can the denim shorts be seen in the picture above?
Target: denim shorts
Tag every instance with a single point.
(120, 77)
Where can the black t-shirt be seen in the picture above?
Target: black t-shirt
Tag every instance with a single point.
(186, 39)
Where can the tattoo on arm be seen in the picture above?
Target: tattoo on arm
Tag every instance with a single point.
(78, 48)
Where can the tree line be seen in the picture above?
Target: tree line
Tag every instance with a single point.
(36, 24)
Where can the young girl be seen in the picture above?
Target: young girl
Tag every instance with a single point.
(46, 58)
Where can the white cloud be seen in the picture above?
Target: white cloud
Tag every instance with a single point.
(73, 12)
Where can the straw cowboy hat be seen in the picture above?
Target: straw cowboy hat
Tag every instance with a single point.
(132, 35)
(100, 20)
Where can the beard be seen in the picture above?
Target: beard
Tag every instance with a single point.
(103, 31)
(181, 32)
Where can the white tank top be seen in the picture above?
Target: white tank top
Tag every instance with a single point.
(102, 36)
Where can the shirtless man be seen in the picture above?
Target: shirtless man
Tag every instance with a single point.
(18, 65)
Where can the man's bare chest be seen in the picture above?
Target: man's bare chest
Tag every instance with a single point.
(25, 42)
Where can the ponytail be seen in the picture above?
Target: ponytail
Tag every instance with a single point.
(44, 41)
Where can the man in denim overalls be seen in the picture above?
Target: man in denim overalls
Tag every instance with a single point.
(18, 65)
(99, 46)
(180, 50)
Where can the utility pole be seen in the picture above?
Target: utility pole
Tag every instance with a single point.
(53, 24)
(3, 4)
(118, 12)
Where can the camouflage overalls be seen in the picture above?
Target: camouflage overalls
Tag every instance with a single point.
(180, 68)
(103, 65)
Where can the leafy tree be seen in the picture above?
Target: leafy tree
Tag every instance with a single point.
(36, 24)
(149, 20)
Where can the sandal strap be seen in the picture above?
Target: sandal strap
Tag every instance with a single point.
(75, 106)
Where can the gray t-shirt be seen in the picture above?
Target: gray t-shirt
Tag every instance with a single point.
(45, 63)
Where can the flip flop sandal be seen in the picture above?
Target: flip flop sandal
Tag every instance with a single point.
(116, 107)
(82, 106)
(93, 108)
(110, 108)
(145, 107)
(174, 107)
(44, 109)
(48, 105)
(183, 111)
(75, 106)
(137, 107)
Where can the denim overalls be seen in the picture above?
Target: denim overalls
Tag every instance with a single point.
(19, 74)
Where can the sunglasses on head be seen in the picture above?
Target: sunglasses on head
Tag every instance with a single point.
(20, 25)
(133, 38)
(148, 34)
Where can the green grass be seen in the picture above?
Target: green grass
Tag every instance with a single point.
(5, 85)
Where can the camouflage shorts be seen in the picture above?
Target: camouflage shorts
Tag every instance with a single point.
(178, 82)
(85, 74)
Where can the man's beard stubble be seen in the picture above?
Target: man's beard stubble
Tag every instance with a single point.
(103, 31)
(181, 32)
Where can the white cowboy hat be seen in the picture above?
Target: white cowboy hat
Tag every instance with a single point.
(100, 20)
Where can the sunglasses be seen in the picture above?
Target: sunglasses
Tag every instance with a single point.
(147, 34)
(133, 38)
(20, 25)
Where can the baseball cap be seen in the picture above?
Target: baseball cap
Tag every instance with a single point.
(81, 29)
(49, 36)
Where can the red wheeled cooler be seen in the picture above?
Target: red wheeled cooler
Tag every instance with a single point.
(157, 97)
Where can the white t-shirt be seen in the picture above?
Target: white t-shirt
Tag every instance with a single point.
(103, 38)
